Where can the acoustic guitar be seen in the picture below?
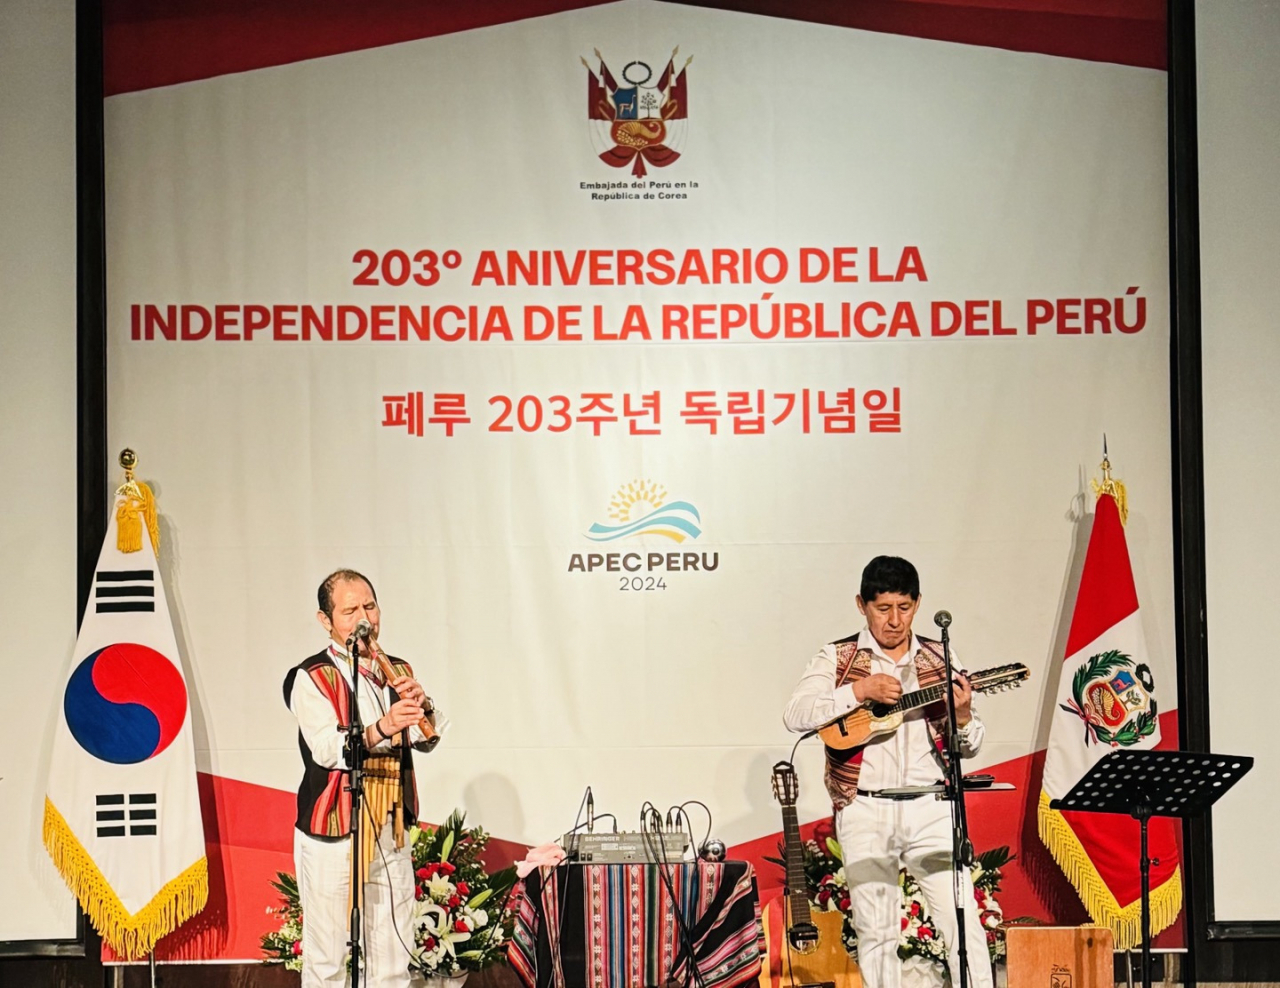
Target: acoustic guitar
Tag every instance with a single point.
(810, 951)
(858, 726)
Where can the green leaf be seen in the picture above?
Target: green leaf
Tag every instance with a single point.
(995, 858)
(1097, 666)
(833, 848)
(477, 900)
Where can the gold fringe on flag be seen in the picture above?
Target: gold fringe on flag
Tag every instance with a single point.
(132, 936)
(1125, 923)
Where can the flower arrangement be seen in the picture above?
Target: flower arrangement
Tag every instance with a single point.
(285, 944)
(460, 921)
(460, 918)
(829, 891)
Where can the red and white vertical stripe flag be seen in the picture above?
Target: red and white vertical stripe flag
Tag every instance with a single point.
(1107, 700)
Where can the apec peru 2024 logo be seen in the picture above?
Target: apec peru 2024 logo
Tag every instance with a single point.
(644, 511)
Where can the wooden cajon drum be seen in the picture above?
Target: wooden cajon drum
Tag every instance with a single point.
(1060, 957)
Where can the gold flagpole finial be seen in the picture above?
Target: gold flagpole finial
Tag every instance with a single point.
(135, 505)
(128, 459)
(1111, 486)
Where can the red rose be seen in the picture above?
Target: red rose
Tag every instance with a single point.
(460, 926)
(824, 896)
(464, 888)
(423, 873)
(454, 902)
(430, 870)
(925, 933)
(826, 879)
(447, 868)
(915, 908)
(844, 904)
(991, 936)
(821, 831)
(429, 943)
(296, 948)
(904, 922)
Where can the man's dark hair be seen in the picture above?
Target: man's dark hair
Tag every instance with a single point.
(324, 595)
(889, 574)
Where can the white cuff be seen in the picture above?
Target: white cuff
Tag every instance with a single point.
(844, 697)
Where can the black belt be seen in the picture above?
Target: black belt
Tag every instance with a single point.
(881, 794)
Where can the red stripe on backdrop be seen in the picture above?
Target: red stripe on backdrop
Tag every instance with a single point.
(1125, 32)
(1034, 885)
(1107, 595)
(150, 43)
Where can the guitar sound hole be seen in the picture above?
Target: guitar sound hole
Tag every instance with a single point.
(804, 937)
(879, 709)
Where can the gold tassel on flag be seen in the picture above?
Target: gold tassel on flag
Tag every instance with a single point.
(137, 506)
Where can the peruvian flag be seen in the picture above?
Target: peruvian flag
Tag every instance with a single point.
(1107, 701)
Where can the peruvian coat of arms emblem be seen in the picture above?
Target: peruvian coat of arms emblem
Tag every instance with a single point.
(637, 119)
(1114, 699)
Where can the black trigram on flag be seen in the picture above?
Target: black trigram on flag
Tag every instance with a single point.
(139, 814)
(125, 590)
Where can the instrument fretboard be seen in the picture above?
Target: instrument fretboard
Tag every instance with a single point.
(797, 884)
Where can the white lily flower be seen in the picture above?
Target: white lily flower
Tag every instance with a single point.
(439, 887)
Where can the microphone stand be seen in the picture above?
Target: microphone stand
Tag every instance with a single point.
(354, 751)
(961, 848)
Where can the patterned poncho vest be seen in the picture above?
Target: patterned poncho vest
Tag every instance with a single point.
(852, 664)
(324, 804)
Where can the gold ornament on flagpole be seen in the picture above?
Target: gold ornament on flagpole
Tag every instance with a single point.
(1111, 486)
(135, 505)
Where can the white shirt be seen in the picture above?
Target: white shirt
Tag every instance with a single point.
(904, 757)
(318, 722)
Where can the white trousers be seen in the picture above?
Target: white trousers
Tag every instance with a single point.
(878, 836)
(324, 876)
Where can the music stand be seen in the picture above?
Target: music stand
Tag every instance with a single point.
(1143, 784)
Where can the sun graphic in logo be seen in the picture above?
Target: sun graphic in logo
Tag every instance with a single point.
(636, 499)
(641, 508)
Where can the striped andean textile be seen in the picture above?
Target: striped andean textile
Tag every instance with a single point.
(618, 928)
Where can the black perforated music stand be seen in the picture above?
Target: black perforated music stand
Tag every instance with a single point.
(1143, 784)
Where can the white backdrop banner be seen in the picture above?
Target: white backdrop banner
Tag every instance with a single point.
(611, 345)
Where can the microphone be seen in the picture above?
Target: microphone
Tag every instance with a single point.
(364, 629)
(942, 619)
(591, 810)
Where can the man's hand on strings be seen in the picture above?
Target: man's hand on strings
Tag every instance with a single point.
(963, 694)
(878, 688)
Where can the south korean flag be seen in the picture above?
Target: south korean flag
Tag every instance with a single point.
(122, 811)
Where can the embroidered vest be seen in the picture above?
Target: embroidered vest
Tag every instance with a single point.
(852, 664)
(324, 804)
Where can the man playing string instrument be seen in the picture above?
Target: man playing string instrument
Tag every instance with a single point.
(879, 835)
(318, 691)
